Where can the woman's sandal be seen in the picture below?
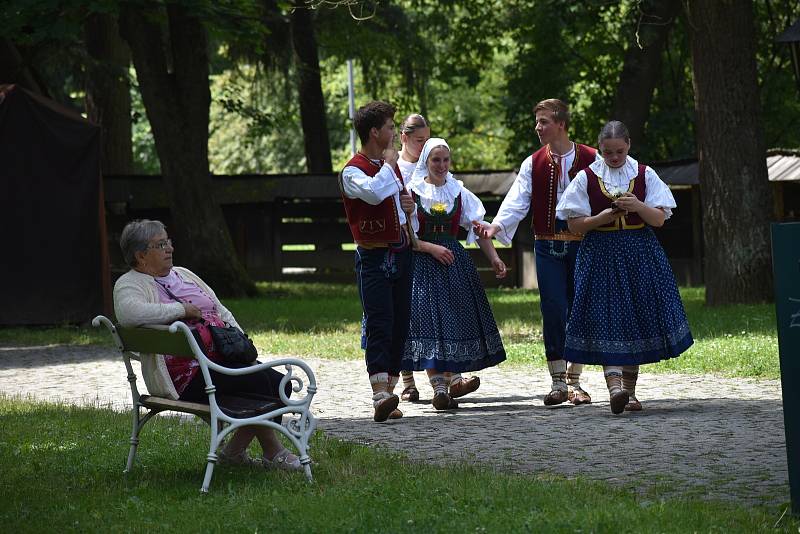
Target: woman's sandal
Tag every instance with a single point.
(443, 401)
(633, 405)
(410, 394)
(283, 460)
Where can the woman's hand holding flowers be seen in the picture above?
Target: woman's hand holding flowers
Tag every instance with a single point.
(629, 203)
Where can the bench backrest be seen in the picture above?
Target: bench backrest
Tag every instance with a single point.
(155, 341)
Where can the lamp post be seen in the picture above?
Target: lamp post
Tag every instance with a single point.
(792, 37)
(351, 106)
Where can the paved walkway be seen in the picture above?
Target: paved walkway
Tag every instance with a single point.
(713, 438)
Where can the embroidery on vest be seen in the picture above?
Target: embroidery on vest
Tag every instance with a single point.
(372, 226)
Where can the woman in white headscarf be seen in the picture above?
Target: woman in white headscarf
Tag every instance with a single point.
(452, 326)
(414, 132)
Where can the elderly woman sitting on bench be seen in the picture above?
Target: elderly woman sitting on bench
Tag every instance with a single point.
(155, 292)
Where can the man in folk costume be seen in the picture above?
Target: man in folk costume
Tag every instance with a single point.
(377, 206)
(541, 181)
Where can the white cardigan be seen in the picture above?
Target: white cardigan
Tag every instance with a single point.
(136, 303)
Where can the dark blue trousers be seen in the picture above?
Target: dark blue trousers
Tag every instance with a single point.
(384, 285)
(555, 272)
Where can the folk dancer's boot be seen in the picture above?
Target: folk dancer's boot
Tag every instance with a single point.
(618, 397)
(630, 375)
(410, 392)
(460, 386)
(441, 399)
(558, 389)
(383, 402)
(393, 379)
(576, 394)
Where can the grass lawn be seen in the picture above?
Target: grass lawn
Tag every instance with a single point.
(61, 470)
(323, 320)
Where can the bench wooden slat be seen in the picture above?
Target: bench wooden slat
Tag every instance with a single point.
(162, 403)
(155, 341)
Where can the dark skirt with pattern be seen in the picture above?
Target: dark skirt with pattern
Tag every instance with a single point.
(627, 309)
(452, 326)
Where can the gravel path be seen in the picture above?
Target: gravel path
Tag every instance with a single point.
(698, 435)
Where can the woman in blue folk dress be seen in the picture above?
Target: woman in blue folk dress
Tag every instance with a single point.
(452, 326)
(627, 310)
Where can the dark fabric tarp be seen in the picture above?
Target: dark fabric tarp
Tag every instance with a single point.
(53, 239)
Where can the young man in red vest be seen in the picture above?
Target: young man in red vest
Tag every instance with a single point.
(377, 207)
(541, 180)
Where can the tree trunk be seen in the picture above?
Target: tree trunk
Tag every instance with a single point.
(737, 200)
(642, 66)
(173, 79)
(108, 98)
(312, 102)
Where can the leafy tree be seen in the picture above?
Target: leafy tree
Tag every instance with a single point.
(176, 96)
(642, 67)
(309, 87)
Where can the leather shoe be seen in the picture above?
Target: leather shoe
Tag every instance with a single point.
(578, 397)
(385, 407)
(396, 414)
(410, 394)
(633, 405)
(443, 401)
(465, 386)
(557, 396)
(618, 401)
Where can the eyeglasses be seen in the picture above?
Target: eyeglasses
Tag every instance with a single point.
(161, 245)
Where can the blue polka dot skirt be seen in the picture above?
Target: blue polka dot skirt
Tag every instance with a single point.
(452, 325)
(627, 309)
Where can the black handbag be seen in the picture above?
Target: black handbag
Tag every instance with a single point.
(230, 343)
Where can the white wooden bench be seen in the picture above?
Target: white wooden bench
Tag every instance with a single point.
(223, 414)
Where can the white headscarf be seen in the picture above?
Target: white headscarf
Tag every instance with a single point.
(421, 170)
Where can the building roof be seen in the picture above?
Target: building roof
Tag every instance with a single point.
(681, 172)
(783, 165)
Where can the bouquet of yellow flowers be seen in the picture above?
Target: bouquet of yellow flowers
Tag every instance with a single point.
(438, 208)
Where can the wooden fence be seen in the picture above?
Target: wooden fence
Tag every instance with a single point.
(292, 227)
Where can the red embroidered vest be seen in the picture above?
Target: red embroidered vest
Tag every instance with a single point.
(545, 186)
(438, 226)
(600, 199)
(368, 223)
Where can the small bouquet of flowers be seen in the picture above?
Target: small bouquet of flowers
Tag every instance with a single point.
(438, 208)
(616, 192)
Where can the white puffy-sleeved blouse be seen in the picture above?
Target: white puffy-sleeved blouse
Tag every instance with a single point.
(471, 206)
(575, 200)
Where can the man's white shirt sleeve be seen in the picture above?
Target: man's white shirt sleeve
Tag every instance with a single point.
(516, 204)
(373, 189)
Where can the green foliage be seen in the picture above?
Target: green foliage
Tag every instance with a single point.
(474, 68)
(62, 471)
(145, 157)
(780, 99)
(252, 131)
